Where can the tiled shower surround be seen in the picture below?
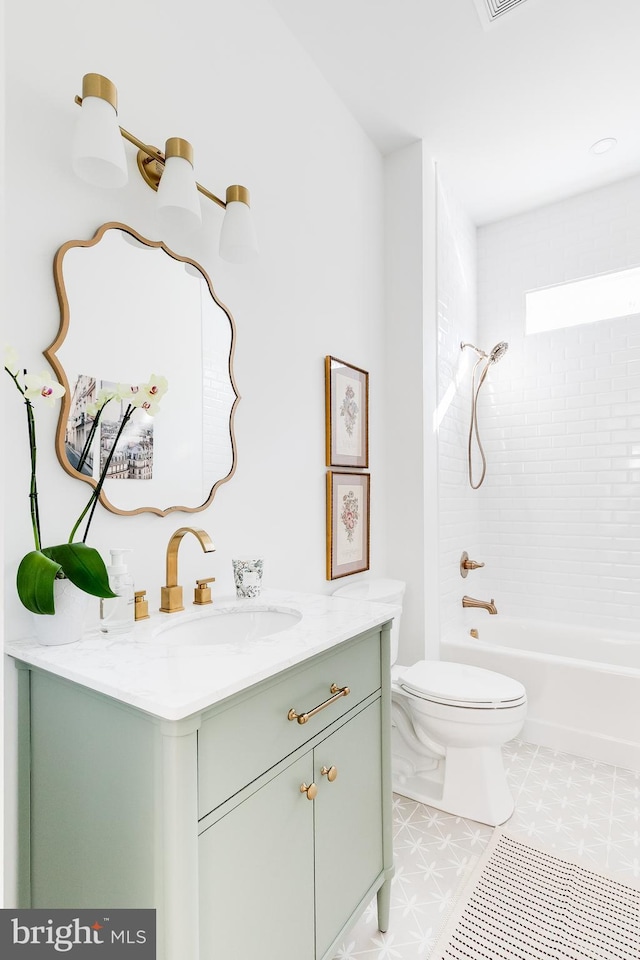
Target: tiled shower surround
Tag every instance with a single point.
(562, 511)
(557, 520)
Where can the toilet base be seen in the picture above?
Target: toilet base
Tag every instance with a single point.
(475, 786)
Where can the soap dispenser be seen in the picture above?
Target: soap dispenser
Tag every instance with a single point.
(117, 613)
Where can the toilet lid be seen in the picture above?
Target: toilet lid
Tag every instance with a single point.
(460, 683)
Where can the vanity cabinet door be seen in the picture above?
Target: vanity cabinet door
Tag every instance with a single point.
(256, 874)
(348, 821)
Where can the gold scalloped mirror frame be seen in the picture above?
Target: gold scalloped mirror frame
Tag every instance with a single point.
(51, 355)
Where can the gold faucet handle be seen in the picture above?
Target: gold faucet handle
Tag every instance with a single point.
(202, 593)
(141, 605)
(466, 564)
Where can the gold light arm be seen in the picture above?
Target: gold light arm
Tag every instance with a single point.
(154, 154)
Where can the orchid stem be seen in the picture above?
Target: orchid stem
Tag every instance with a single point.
(33, 491)
(89, 440)
(93, 499)
(33, 488)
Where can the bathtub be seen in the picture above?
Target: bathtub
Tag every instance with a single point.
(582, 683)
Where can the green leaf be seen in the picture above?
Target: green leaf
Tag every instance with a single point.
(84, 566)
(34, 581)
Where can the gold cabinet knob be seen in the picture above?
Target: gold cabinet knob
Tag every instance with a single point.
(311, 790)
(330, 773)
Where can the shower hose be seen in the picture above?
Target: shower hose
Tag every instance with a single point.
(473, 426)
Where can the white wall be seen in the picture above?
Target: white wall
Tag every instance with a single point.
(410, 392)
(559, 514)
(228, 76)
(2, 498)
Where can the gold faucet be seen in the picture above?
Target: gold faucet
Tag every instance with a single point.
(482, 604)
(171, 594)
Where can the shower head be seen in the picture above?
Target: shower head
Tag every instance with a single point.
(498, 351)
(496, 354)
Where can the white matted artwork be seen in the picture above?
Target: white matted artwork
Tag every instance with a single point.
(346, 414)
(347, 523)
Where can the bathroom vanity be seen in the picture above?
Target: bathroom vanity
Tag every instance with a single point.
(243, 790)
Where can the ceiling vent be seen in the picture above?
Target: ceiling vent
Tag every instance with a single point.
(490, 10)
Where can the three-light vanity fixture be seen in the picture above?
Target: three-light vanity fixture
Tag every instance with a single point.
(99, 158)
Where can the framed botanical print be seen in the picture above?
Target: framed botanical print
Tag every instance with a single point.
(347, 414)
(347, 523)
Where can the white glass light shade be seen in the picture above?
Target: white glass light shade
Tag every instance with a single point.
(98, 148)
(238, 240)
(178, 204)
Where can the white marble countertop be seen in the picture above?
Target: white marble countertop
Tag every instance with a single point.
(172, 680)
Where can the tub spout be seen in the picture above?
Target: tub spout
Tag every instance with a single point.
(482, 604)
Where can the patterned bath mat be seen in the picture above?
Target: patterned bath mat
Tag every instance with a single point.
(523, 904)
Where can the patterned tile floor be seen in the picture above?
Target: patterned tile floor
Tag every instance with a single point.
(588, 812)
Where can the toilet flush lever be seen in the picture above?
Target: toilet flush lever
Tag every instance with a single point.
(466, 564)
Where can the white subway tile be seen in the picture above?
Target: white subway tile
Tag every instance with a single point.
(558, 511)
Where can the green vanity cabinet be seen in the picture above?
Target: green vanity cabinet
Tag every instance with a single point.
(251, 834)
(290, 859)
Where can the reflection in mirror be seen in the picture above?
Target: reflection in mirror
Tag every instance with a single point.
(132, 310)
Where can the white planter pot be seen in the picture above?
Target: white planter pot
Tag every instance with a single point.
(66, 625)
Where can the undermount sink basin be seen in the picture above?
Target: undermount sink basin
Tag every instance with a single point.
(227, 626)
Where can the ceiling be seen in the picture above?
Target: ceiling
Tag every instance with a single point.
(509, 110)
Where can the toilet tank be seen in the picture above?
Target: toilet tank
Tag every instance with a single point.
(379, 591)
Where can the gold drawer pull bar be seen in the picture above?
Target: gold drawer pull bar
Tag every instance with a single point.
(337, 693)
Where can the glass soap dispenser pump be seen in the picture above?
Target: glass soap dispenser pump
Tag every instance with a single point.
(117, 613)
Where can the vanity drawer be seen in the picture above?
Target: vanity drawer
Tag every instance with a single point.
(237, 744)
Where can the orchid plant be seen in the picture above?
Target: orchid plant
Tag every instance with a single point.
(73, 560)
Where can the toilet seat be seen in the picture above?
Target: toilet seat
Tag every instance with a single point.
(461, 685)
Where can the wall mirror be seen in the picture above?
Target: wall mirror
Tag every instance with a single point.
(130, 308)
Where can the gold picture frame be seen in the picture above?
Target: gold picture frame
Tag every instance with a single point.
(348, 523)
(346, 414)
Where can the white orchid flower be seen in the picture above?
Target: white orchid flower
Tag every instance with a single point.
(156, 387)
(103, 398)
(126, 391)
(11, 360)
(147, 397)
(149, 406)
(42, 386)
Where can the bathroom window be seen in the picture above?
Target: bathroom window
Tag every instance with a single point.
(601, 297)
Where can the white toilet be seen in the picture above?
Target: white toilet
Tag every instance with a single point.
(450, 721)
